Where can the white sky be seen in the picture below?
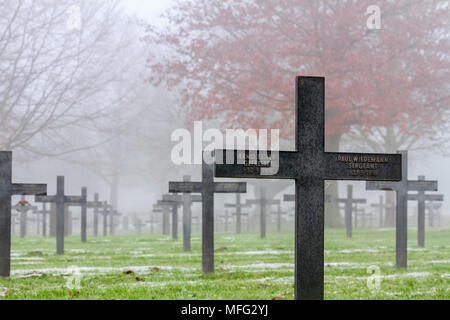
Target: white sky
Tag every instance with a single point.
(149, 9)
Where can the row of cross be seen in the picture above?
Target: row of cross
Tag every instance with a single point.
(309, 166)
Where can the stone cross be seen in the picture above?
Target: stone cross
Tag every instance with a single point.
(401, 189)
(164, 212)
(23, 211)
(60, 199)
(263, 202)
(279, 215)
(381, 206)
(421, 197)
(309, 166)
(83, 205)
(7, 190)
(238, 206)
(96, 205)
(186, 201)
(207, 187)
(349, 201)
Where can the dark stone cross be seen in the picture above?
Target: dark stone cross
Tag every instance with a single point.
(185, 200)
(349, 201)
(207, 187)
(23, 213)
(279, 215)
(7, 190)
(382, 207)
(401, 189)
(238, 206)
(96, 205)
(421, 197)
(60, 199)
(263, 202)
(309, 166)
(83, 205)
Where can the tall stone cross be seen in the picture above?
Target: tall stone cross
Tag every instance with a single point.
(239, 214)
(185, 200)
(401, 189)
(349, 201)
(207, 187)
(279, 215)
(22, 208)
(60, 199)
(96, 205)
(263, 202)
(382, 207)
(83, 205)
(7, 190)
(309, 166)
(421, 197)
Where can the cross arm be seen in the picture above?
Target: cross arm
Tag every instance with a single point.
(422, 185)
(25, 189)
(230, 187)
(381, 185)
(185, 187)
(45, 199)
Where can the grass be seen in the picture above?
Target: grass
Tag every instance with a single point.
(155, 267)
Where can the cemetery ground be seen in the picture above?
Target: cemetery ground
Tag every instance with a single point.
(247, 268)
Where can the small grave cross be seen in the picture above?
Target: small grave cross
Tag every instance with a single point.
(238, 206)
(7, 190)
(207, 187)
(263, 202)
(349, 201)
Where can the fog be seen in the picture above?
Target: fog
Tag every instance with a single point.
(101, 102)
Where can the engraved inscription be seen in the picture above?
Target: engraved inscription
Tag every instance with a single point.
(363, 165)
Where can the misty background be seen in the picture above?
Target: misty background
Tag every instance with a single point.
(81, 103)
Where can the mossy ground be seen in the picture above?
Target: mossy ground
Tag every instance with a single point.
(155, 267)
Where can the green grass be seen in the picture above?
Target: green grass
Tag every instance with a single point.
(249, 268)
